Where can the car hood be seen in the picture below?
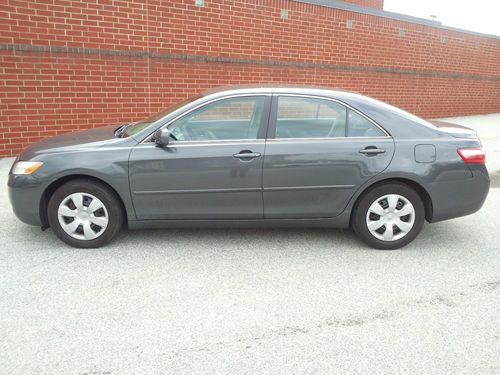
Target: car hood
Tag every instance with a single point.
(70, 142)
(454, 130)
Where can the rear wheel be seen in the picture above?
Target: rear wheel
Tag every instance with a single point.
(389, 216)
(85, 213)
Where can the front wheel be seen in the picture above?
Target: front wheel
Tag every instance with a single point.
(85, 213)
(389, 216)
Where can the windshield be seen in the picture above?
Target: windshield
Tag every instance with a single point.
(136, 127)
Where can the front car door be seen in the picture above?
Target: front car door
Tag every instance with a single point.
(213, 167)
(318, 153)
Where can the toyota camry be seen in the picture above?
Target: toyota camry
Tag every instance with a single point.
(254, 156)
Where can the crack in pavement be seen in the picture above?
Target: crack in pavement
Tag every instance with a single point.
(355, 320)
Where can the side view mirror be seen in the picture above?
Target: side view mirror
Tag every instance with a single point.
(162, 137)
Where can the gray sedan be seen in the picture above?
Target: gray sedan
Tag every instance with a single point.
(255, 156)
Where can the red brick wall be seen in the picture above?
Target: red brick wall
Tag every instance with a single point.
(67, 65)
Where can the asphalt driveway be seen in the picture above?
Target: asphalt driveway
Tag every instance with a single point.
(255, 301)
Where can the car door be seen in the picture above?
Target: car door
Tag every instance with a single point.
(318, 153)
(213, 170)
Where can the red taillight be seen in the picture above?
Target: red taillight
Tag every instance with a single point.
(474, 155)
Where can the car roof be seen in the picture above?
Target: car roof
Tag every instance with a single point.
(276, 88)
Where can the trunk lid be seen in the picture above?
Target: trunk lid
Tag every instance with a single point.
(454, 130)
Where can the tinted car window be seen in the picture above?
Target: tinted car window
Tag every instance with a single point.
(226, 119)
(358, 126)
(309, 118)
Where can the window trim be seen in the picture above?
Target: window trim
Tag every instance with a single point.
(271, 130)
(261, 134)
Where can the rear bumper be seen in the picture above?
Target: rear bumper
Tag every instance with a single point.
(24, 195)
(453, 199)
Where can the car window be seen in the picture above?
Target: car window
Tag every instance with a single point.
(136, 127)
(226, 119)
(359, 126)
(300, 117)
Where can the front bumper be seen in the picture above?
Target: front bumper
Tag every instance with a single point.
(25, 194)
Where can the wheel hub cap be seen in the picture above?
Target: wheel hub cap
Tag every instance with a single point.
(83, 216)
(390, 217)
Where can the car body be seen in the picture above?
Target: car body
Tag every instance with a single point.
(258, 155)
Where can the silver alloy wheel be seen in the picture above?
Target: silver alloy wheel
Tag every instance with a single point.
(83, 216)
(390, 217)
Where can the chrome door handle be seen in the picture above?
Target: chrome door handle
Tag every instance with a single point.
(372, 151)
(247, 155)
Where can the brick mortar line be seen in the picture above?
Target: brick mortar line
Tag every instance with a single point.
(236, 60)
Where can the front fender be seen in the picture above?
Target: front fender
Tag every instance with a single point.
(108, 166)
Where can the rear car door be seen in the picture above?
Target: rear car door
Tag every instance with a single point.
(213, 170)
(318, 153)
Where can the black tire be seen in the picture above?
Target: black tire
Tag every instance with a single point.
(360, 212)
(112, 204)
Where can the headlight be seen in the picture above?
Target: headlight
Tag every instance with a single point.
(26, 167)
